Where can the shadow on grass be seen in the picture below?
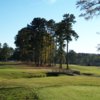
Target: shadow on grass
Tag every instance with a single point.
(69, 72)
(4, 64)
(59, 72)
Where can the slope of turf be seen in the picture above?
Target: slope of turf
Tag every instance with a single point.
(22, 82)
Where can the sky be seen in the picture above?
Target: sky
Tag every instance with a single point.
(16, 14)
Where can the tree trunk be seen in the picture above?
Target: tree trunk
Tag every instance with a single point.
(60, 64)
(67, 65)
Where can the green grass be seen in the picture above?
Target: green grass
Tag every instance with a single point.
(23, 82)
(84, 69)
(17, 93)
(70, 93)
(87, 69)
(21, 73)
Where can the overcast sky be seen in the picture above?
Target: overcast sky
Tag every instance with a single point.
(16, 14)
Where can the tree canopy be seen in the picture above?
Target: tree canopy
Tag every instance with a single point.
(90, 8)
(35, 42)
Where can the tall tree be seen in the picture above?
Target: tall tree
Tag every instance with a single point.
(64, 33)
(90, 8)
(68, 21)
(51, 31)
(39, 26)
(60, 41)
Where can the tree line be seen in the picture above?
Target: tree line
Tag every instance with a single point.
(7, 53)
(84, 58)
